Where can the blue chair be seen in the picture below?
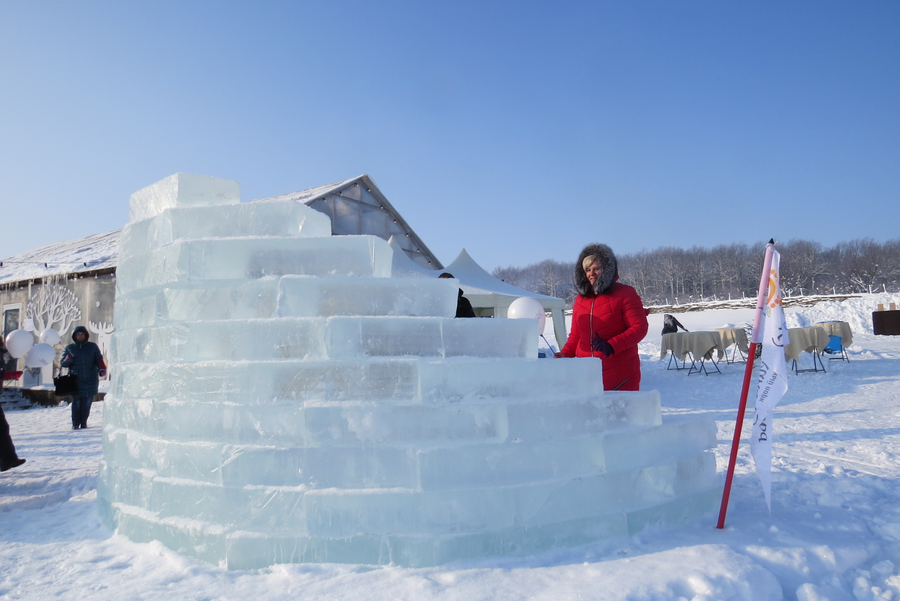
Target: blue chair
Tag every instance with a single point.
(835, 346)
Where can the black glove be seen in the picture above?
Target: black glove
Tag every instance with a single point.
(601, 346)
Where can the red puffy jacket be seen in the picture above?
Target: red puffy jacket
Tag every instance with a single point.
(618, 315)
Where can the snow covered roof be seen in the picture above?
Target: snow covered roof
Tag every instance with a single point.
(311, 194)
(81, 255)
(355, 206)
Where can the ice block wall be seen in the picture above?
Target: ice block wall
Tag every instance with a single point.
(277, 397)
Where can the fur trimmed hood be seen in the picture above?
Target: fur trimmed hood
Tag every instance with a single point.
(608, 275)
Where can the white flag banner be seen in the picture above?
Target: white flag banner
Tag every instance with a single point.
(771, 379)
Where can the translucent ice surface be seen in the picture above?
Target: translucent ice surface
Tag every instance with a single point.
(182, 190)
(186, 303)
(326, 297)
(277, 396)
(239, 339)
(254, 219)
(252, 258)
(351, 337)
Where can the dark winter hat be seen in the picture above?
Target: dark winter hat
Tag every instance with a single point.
(87, 335)
(609, 270)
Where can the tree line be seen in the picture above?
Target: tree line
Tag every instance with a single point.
(671, 275)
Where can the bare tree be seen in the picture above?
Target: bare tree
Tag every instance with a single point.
(666, 271)
(802, 263)
(52, 304)
(891, 267)
(670, 274)
(862, 263)
(637, 270)
(552, 278)
(514, 276)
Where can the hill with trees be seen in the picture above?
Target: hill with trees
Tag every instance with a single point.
(670, 276)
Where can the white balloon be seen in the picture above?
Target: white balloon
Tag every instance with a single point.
(18, 342)
(526, 307)
(40, 355)
(50, 336)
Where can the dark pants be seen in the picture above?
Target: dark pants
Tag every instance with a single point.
(81, 409)
(7, 449)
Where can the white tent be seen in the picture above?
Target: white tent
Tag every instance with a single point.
(489, 296)
(492, 296)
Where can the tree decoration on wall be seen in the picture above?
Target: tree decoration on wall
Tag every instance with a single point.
(53, 303)
(101, 334)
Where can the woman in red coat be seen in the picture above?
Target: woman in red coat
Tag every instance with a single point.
(608, 319)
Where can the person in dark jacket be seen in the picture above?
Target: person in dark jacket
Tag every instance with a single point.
(463, 306)
(671, 325)
(83, 358)
(8, 457)
(608, 319)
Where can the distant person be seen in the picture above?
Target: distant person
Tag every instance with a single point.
(671, 325)
(463, 306)
(608, 319)
(7, 363)
(83, 358)
(8, 457)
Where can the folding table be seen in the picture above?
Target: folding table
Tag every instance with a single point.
(811, 340)
(700, 347)
(736, 338)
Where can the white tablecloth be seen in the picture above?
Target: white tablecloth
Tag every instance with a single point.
(698, 344)
(838, 328)
(805, 340)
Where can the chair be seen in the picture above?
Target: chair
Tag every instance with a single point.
(835, 346)
(817, 363)
(11, 377)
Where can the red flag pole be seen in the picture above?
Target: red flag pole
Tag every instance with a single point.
(748, 374)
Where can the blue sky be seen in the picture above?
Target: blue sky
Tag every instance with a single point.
(520, 131)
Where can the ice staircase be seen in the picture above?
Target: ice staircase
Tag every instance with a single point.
(277, 397)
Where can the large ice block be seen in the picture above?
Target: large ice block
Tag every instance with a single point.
(264, 509)
(485, 465)
(327, 297)
(410, 379)
(187, 302)
(411, 426)
(276, 423)
(182, 190)
(244, 551)
(353, 337)
(542, 418)
(465, 379)
(252, 258)
(230, 221)
(341, 513)
(626, 449)
(237, 340)
(264, 381)
(277, 396)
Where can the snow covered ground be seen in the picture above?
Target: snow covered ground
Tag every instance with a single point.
(834, 530)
